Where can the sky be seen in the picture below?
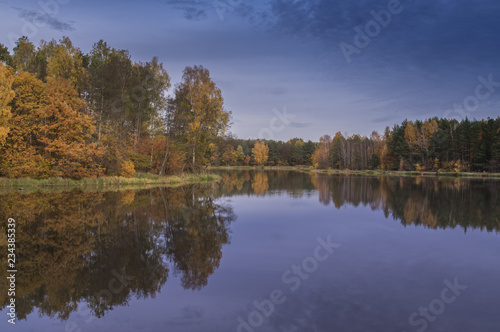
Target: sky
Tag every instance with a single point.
(297, 68)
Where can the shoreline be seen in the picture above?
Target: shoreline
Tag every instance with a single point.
(138, 180)
(363, 172)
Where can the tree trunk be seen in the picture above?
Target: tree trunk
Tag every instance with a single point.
(137, 130)
(194, 156)
(99, 135)
(164, 164)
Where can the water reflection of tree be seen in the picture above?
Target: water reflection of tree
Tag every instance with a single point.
(431, 202)
(260, 183)
(265, 183)
(72, 245)
(195, 234)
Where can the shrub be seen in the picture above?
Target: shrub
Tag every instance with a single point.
(127, 169)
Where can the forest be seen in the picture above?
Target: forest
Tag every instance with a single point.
(431, 145)
(65, 113)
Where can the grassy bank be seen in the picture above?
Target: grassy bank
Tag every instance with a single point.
(258, 168)
(362, 172)
(140, 179)
(408, 173)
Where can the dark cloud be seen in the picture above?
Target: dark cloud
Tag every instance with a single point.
(194, 14)
(426, 33)
(193, 10)
(286, 52)
(41, 18)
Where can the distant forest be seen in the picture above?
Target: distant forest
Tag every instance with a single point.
(64, 113)
(430, 145)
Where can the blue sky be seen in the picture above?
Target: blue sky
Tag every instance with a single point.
(413, 59)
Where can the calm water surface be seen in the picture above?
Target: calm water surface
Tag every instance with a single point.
(259, 251)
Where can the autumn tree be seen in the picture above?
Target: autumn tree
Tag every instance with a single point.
(260, 153)
(21, 155)
(197, 109)
(67, 132)
(418, 137)
(321, 156)
(229, 155)
(6, 96)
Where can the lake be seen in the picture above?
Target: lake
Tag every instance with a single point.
(259, 251)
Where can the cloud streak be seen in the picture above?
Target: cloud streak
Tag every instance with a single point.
(44, 19)
(192, 10)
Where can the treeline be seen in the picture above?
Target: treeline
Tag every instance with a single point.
(231, 151)
(430, 145)
(64, 113)
(69, 114)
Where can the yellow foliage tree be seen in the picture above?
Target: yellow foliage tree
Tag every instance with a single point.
(419, 138)
(260, 153)
(127, 169)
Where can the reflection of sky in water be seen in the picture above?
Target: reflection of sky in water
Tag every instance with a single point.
(380, 275)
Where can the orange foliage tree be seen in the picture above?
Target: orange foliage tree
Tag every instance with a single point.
(20, 154)
(67, 133)
(6, 96)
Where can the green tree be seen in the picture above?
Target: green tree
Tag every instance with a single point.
(66, 61)
(5, 55)
(336, 153)
(24, 55)
(148, 85)
(240, 155)
(374, 161)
